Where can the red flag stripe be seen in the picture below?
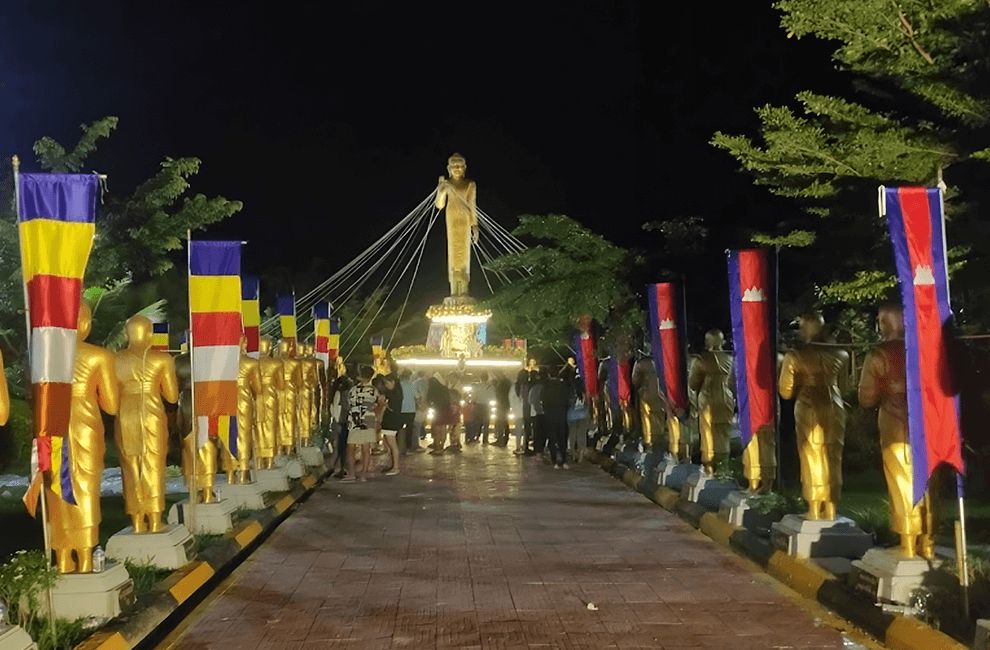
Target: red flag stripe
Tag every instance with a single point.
(216, 328)
(54, 301)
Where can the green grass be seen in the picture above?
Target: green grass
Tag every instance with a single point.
(145, 576)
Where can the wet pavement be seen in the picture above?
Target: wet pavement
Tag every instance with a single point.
(486, 550)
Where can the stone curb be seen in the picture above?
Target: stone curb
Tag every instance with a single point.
(169, 595)
(804, 577)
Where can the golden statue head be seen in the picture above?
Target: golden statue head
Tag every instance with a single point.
(714, 339)
(306, 349)
(265, 345)
(890, 322)
(457, 166)
(811, 325)
(138, 330)
(286, 349)
(85, 324)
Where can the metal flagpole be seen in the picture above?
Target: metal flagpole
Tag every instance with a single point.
(776, 371)
(961, 550)
(194, 434)
(46, 532)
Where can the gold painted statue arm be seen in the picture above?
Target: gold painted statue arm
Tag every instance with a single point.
(696, 375)
(4, 395)
(255, 380)
(869, 382)
(788, 380)
(441, 199)
(168, 384)
(107, 388)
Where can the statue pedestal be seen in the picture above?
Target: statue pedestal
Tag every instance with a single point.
(706, 490)
(244, 495)
(807, 538)
(275, 479)
(293, 468)
(169, 548)
(673, 474)
(311, 456)
(209, 518)
(101, 595)
(13, 637)
(735, 510)
(889, 577)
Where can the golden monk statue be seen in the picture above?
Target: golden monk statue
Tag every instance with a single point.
(307, 394)
(268, 404)
(712, 378)
(146, 377)
(814, 376)
(248, 388)
(289, 402)
(651, 403)
(884, 384)
(200, 485)
(319, 386)
(76, 528)
(459, 195)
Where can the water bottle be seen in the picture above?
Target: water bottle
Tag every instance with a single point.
(99, 559)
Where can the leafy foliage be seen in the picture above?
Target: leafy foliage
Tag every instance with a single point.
(23, 578)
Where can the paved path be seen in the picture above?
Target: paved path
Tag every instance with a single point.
(485, 550)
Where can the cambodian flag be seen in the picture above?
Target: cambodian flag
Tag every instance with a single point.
(749, 291)
(666, 340)
(584, 351)
(917, 232)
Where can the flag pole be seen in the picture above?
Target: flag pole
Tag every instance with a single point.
(961, 548)
(194, 433)
(774, 351)
(45, 530)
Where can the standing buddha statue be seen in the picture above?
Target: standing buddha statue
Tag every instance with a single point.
(459, 195)
(248, 388)
(268, 416)
(712, 378)
(289, 402)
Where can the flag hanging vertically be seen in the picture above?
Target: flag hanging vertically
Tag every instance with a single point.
(917, 232)
(215, 309)
(753, 360)
(251, 313)
(57, 217)
(321, 328)
(667, 343)
(619, 384)
(184, 342)
(333, 341)
(587, 361)
(285, 304)
(159, 336)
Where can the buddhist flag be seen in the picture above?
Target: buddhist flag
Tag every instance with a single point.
(251, 313)
(159, 336)
(184, 342)
(756, 391)
(667, 342)
(321, 327)
(333, 341)
(917, 232)
(285, 303)
(57, 217)
(215, 306)
(587, 360)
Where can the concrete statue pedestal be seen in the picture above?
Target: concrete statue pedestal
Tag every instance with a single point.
(311, 456)
(244, 495)
(706, 490)
(293, 468)
(808, 538)
(208, 518)
(102, 595)
(13, 637)
(672, 474)
(736, 510)
(889, 577)
(275, 479)
(170, 548)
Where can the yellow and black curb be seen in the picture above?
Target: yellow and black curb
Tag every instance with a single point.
(804, 577)
(175, 596)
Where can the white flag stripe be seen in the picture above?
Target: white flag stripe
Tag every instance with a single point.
(202, 430)
(216, 363)
(53, 355)
(254, 355)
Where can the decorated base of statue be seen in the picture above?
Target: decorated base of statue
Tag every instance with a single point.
(244, 495)
(311, 456)
(673, 474)
(808, 538)
(736, 510)
(706, 490)
(170, 548)
(208, 518)
(102, 595)
(275, 479)
(13, 637)
(889, 577)
(293, 468)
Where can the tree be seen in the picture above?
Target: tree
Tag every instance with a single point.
(568, 272)
(922, 71)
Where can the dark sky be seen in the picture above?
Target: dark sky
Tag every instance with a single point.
(331, 121)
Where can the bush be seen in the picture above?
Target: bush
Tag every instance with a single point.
(16, 437)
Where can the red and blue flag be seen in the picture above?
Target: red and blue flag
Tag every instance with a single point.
(667, 343)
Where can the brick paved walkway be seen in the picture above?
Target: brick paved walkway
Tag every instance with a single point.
(485, 550)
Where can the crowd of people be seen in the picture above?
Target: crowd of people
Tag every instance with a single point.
(395, 413)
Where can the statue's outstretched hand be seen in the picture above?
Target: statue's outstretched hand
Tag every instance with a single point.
(475, 233)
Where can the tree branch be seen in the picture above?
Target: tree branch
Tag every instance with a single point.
(908, 31)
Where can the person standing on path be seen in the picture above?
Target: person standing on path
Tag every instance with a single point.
(555, 398)
(536, 409)
(363, 421)
(391, 420)
(409, 438)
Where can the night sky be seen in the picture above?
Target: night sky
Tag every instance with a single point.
(331, 121)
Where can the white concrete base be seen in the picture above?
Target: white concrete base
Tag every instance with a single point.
(245, 495)
(294, 468)
(208, 518)
(889, 577)
(311, 456)
(674, 475)
(102, 595)
(806, 538)
(706, 490)
(272, 480)
(170, 548)
(13, 637)
(982, 634)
